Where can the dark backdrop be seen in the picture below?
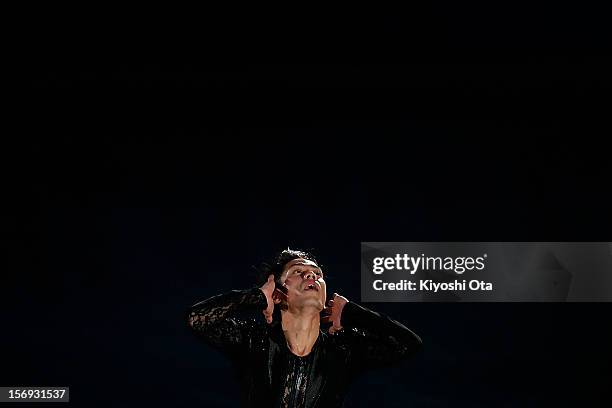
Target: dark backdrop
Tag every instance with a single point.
(157, 156)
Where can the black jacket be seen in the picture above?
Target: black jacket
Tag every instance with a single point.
(260, 353)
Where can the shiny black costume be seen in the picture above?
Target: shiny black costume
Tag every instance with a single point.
(272, 376)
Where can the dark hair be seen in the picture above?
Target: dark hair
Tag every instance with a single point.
(277, 266)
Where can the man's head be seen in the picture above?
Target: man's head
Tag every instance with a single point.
(301, 276)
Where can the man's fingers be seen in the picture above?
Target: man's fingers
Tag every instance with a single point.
(330, 302)
(326, 319)
(278, 292)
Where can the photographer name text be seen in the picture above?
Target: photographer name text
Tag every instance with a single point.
(430, 285)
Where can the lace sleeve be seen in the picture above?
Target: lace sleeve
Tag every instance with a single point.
(219, 320)
(375, 339)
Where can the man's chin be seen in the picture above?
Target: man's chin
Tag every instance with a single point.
(313, 302)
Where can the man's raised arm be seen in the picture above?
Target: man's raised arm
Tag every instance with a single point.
(217, 320)
(376, 339)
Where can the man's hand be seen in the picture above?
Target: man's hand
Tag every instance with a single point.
(334, 310)
(273, 295)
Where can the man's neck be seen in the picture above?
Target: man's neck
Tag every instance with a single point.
(301, 329)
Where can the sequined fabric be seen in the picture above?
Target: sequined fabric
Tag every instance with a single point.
(296, 381)
(271, 376)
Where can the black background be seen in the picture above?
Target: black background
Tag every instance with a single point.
(158, 154)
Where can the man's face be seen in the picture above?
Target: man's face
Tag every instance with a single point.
(305, 284)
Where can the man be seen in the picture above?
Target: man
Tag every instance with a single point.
(290, 361)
